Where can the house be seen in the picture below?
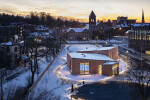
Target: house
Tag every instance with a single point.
(77, 34)
(102, 61)
(12, 52)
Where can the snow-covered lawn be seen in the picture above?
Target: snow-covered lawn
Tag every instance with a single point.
(57, 80)
(22, 79)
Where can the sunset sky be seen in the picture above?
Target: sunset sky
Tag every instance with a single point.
(80, 9)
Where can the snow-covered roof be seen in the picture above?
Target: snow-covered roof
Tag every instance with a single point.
(137, 25)
(92, 56)
(41, 27)
(22, 43)
(9, 43)
(87, 26)
(124, 25)
(97, 23)
(110, 63)
(98, 49)
(76, 29)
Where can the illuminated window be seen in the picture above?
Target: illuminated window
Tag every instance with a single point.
(115, 69)
(84, 68)
(110, 54)
(100, 69)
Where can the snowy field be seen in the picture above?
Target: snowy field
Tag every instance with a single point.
(55, 83)
(23, 79)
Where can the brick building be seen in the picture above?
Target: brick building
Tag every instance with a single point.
(102, 61)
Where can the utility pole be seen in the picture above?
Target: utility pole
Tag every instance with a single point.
(1, 85)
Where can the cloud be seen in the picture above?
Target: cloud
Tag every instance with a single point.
(78, 8)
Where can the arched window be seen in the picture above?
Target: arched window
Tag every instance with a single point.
(15, 49)
(7, 49)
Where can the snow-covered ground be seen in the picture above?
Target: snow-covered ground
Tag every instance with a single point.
(57, 80)
(22, 79)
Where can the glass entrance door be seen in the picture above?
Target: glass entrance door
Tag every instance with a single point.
(115, 70)
(100, 69)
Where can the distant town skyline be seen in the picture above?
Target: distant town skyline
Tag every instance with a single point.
(80, 9)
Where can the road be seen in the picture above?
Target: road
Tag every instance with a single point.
(131, 58)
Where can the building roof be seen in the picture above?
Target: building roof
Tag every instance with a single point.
(98, 49)
(89, 56)
(76, 29)
(137, 25)
(110, 63)
(10, 43)
(92, 14)
(86, 26)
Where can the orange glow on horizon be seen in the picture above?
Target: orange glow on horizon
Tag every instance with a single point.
(80, 9)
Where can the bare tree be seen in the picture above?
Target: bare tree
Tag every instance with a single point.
(139, 78)
(32, 46)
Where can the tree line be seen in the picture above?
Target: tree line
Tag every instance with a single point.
(36, 18)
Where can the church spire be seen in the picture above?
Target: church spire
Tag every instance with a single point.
(143, 21)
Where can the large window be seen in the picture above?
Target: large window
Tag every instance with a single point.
(84, 68)
(115, 69)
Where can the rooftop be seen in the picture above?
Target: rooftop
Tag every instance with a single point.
(109, 63)
(139, 24)
(98, 48)
(92, 56)
(76, 29)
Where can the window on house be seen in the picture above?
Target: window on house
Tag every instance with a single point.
(15, 49)
(110, 54)
(84, 68)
